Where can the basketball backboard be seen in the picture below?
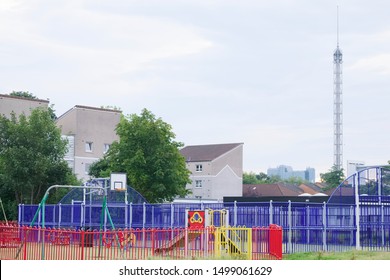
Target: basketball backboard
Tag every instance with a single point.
(118, 182)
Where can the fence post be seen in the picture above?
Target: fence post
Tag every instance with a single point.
(131, 214)
(257, 220)
(126, 212)
(153, 240)
(82, 244)
(153, 217)
(289, 218)
(351, 222)
(382, 225)
(271, 212)
(19, 214)
(186, 242)
(324, 229)
(54, 216)
(59, 214)
(357, 210)
(25, 244)
(143, 224)
(143, 215)
(308, 224)
(172, 214)
(235, 213)
(43, 230)
(71, 212)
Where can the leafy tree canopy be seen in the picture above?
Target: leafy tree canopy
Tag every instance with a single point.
(262, 178)
(333, 178)
(31, 158)
(150, 156)
(24, 94)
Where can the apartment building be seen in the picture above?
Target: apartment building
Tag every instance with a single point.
(216, 170)
(90, 131)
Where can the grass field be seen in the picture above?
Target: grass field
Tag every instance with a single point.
(351, 255)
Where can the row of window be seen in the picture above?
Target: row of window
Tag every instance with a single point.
(198, 168)
(89, 147)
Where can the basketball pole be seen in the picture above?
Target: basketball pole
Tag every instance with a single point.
(105, 212)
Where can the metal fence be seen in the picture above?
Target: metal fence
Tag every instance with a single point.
(33, 243)
(306, 226)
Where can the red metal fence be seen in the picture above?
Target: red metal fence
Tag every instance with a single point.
(31, 243)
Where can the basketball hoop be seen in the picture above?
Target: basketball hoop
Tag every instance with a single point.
(118, 182)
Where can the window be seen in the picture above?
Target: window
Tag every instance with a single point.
(199, 168)
(198, 183)
(106, 147)
(88, 146)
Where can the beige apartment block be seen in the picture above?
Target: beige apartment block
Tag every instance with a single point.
(20, 105)
(90, 132)
(216, 170)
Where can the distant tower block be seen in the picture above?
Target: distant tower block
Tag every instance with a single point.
(338, 104)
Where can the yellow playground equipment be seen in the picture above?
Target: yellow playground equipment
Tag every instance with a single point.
(232, 241)
(212, 226)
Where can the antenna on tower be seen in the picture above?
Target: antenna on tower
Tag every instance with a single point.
(337, 26)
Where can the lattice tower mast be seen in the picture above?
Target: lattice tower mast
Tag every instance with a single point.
(338, 103)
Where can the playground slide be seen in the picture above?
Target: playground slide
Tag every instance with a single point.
(178, 241)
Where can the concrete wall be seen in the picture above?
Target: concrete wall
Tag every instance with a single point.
(19, 105)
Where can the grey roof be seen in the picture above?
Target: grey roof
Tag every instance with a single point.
(207, 152)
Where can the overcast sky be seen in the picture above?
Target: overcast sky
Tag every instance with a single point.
(219, 71)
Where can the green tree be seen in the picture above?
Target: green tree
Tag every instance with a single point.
(333, 178)
(147, 152)
(24, 94)
(31, 158)
(261, 178)
(249, 178)
(295, 180)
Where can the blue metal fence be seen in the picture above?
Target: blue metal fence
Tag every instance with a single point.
(306, 227)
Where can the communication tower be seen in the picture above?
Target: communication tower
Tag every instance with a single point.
(338, 103)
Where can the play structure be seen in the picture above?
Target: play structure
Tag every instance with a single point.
(209, 231)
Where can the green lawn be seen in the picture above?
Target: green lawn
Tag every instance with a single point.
(351, 255)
